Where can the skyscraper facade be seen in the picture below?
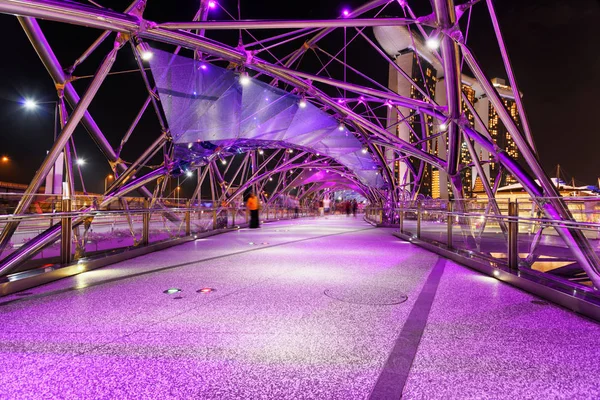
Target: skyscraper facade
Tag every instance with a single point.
(417, 61)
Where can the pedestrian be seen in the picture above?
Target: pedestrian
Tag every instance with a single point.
(347, 207)
(354, 207)
(252, 206)
(321, 208)
(326, 204)
(296, 207)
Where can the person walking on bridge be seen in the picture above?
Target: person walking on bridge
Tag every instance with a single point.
(252, 206)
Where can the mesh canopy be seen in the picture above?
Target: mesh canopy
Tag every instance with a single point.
(208, 109)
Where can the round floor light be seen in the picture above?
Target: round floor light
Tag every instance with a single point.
(206, 290)
(172, 291)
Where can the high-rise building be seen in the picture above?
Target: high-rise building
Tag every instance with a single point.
(417, 61)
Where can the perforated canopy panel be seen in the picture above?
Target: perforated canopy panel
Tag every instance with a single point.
(209, 110)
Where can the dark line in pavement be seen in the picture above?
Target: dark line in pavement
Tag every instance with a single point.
(394, 374)
(42, 295)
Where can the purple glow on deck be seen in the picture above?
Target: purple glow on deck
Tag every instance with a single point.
(271, 332)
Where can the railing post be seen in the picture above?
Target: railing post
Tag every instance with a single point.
(513, 236)
(418, 219)
(401, 217)
(66, 228)
(146, 223)
(188, 221)
(233, 214)
(214, 215)
(450, 220)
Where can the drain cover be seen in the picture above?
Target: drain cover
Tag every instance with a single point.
(371, 295)
(539, 302)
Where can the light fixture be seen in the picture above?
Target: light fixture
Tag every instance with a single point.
(189, 145)
(212, 4)
(302, 103)
(4, 159)
(270, 179)
(189, 173)
(244, 78)
(290, 151)
(30, 104)
(443, 127)
(341, 127)
(80, 161)
(433, 43)
(203, 66)
(144, 51)
(261, 151)
(346, 12)
(365, 150)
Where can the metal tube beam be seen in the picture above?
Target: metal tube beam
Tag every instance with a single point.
(44, 51)
(511, 76)
(36, 244)
(286, 24)
(446, 18)
(60, 143)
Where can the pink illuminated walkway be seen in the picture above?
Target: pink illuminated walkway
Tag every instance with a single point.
(306, 309)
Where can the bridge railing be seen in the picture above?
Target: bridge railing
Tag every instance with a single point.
(127, 224)
(511, 236)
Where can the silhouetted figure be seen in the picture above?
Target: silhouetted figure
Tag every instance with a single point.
(252, 205)
(354, 207)
(347, 206)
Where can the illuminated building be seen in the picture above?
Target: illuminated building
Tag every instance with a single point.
(414, 58)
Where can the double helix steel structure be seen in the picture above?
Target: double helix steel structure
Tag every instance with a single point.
(294, 111)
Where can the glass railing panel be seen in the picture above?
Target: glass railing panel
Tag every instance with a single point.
(542, 249)
(480, 234)
(104, 232)
(434, 226)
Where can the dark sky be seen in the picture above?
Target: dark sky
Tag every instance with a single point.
(553, 45)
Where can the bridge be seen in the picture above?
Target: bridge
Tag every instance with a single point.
(411, 244)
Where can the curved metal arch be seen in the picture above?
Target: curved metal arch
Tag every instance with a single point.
(132, 23)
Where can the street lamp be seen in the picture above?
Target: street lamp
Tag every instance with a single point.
(31, 105)
(54, 178)
(109, 177)
(5, 159)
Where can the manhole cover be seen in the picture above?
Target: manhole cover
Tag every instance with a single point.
(539, 302)
(372, 295)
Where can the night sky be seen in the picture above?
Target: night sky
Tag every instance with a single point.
(553, 45)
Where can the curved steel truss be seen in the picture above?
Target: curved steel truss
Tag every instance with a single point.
(205, 121)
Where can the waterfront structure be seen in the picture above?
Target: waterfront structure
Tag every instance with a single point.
(412, 55)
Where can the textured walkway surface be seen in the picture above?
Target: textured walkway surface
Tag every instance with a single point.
(311, 309)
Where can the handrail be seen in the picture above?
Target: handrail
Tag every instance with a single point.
(77, 228)
(519, 250)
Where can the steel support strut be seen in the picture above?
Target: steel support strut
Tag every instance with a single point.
(60, 143)
(446, 19)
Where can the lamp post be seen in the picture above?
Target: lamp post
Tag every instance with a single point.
(109, 177)
(54, 178)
